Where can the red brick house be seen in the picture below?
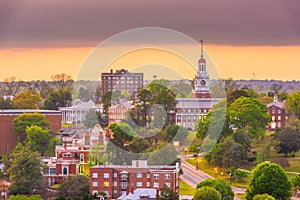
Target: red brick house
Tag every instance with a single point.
(117, 180)
(277, 113)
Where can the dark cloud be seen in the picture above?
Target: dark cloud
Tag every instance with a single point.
(36, 23)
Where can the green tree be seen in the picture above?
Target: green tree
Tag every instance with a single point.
(293, 103)
(249, 113)
(167, 194)
(27, 100)
(175, 132)
(138, 145)
(58, 98)
(24, 171)
(216, 121)
(6, 104)
(296, 181)
(263, 197)
(269, 179)
(22, 121)
(37, 138)
(91, 119)
(121, 132)
(241, 137)
(288, 140)
(166, 155)
(75, 186)
(207, 193)
(221, 185)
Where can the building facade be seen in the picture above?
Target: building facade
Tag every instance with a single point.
(121, 80)
(8, 139)
(117, 112)
(277, 114)
(190, 110)
(76, 113)
(117, 180)
(72, 157)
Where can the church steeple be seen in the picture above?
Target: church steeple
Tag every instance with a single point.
(201, 41)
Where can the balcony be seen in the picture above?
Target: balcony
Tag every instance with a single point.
(124, 178)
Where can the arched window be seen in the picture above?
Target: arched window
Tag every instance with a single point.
(65, 170)
(81, 169)
(81, 158)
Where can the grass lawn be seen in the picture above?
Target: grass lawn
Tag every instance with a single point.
(55, 186)
(185, 189)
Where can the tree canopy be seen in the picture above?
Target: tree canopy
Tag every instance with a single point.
(37, 138)
(269, 179)
(221, 185)
(24, 171)
(75, 186)
(58, 98)
(22, 121)
(167, 194)
(27, 100)
(263, 197)
(207, 193)
(287, 140)
(293, 103)
(249, 113)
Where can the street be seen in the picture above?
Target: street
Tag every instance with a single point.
(192, 177)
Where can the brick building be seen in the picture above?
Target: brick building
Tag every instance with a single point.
(277, 113)
(117, 180)
(9, 139)
(118, 112)
(121, 80)
(72, 157)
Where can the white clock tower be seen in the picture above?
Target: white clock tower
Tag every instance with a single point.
(201, 89)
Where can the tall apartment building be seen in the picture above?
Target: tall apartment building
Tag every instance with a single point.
(121, 80)
(117, 180)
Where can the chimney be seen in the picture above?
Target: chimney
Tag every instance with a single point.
(65, 143)
(111, 71)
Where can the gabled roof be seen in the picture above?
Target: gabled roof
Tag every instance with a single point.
(276, 104)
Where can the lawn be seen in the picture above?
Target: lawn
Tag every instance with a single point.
(185, 189)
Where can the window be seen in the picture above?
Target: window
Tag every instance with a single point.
(106, 184)
(139, 184)
(115, 191)
(204, 110)
(273, 118)
(94, 175)
(273, 111)
(156, 185)
(167, 176)
(65, 170)
(279, 118)
(148, 175)
(115, 183)
(52, 170)
(115, 175)
(139, 175)
(106, 175)
(279, 111)
(148, 184)
(106, 192)
(156, 176)
(168, 185)
(95, 184)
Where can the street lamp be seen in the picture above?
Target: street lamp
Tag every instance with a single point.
(185, 152)
(216, 172)
(199, 161)
(230, 173)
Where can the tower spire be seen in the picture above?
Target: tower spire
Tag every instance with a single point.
(201, 41)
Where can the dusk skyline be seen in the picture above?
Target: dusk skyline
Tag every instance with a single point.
(39, 38)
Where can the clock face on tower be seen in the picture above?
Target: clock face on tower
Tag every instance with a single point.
(202, 82)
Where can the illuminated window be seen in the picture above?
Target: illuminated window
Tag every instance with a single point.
(106, 184)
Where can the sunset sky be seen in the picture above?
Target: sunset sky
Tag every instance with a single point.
(42, 38)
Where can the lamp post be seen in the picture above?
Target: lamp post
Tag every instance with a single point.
(199, 162)
(185, 152)
(230, 173)
(216, 172)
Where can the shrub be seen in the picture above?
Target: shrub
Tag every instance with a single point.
(283, 162)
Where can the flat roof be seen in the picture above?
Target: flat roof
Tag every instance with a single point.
(21, 111)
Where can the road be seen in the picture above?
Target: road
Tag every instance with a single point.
(192, 177)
